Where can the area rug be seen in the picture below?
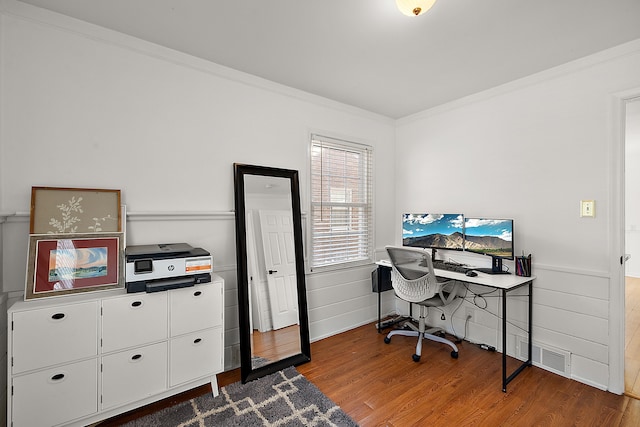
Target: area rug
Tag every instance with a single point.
(285, 398)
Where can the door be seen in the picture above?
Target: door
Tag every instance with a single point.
(632, 247)
(280, 263)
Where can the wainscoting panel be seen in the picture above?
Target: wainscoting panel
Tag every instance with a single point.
(570, 318)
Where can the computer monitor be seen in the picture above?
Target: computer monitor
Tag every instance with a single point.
(433, 231)
(491, 237)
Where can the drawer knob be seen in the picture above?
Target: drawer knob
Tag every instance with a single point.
(58, 316)
(57, 377)
(197, 293)
(197, 340)
(136, 304)
(136, 357)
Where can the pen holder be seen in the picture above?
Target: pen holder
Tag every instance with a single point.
(523, 266)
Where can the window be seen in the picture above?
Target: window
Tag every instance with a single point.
(341, 202)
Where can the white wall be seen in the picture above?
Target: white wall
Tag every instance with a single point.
(531, 150)
(82, 106)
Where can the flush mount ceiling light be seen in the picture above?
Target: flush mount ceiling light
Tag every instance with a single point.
(414, 7)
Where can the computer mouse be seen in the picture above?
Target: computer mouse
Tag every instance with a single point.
(471, 273)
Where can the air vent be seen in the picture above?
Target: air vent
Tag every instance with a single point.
(545, 356)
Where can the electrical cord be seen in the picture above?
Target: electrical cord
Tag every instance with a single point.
(453, 328)
(482, 296)
(479, 300)
(498, 317)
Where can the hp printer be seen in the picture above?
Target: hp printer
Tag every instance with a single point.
(153, 268)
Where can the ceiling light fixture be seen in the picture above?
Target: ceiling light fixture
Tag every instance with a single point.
(414, 7)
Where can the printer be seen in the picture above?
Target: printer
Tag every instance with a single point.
(159, 267)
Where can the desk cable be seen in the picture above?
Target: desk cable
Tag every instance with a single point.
(482, 296)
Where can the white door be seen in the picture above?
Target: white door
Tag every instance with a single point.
(631, 239)
(280, 263)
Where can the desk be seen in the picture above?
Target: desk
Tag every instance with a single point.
(502, 282)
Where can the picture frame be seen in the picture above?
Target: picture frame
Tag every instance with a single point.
(58, 210)
(61, 264)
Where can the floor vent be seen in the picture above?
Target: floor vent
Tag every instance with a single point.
(545, 356)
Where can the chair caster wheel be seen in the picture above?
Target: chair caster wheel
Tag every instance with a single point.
(387, 340)
(454, 354)
(416, 358)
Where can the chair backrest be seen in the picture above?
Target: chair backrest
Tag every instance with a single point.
(412, 275)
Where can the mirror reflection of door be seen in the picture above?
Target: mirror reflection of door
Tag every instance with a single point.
(271, 261)
(280, 264)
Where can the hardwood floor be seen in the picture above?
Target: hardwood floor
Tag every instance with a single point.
(378, 384)
(632, 337)
(276, 345)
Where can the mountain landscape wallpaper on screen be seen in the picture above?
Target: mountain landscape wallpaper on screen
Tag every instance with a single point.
(489, 236)
(443, 231)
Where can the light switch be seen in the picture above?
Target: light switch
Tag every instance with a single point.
(588, 208)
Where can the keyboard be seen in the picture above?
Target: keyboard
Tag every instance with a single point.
(450, 266)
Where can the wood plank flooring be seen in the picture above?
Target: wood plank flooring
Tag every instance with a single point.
(276, 345)
(378, 384)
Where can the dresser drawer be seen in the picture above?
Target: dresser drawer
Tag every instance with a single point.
(133, 320)
(195, 308)
(78, 359)
(134, 374)
(196, 355)
(53, 335)
(55, 395)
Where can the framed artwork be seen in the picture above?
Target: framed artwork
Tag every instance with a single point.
(75, 210)
(60, 264)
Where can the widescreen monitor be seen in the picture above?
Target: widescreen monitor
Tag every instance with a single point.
(491, 237)
(434, 231)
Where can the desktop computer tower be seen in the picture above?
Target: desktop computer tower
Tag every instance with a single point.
(381, 279)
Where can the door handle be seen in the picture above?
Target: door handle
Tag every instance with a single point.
(273, 271)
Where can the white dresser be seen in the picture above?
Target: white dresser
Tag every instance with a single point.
(78, 359)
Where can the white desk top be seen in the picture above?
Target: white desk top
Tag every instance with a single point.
(499, 281)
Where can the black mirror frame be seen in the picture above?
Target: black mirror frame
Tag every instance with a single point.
(247, 371)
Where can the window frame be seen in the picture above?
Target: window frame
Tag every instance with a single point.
(368, 240)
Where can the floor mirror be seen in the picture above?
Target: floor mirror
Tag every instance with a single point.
(272, 299)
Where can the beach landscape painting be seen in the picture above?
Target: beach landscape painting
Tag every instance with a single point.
(64, 263)
(71, 263)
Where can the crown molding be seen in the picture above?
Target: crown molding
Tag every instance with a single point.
(97, 33)
(625, 49)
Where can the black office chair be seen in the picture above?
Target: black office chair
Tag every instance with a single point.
(414, 281)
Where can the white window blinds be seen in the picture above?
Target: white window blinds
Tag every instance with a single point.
(341, 202)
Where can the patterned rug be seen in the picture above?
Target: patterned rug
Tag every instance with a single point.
(285, 398)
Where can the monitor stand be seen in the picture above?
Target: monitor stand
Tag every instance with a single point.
(496, 267)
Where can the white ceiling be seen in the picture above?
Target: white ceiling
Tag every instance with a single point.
(365, 52)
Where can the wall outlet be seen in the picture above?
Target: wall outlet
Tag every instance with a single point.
(469, 313)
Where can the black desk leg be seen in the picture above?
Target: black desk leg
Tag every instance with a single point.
(379, 301)
(506, 380)
(504, 340)
(530, 358)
